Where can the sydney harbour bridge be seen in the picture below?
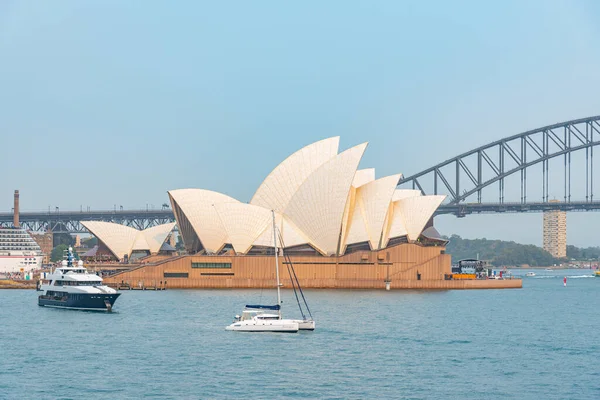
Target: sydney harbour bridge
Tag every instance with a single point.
(549, 168)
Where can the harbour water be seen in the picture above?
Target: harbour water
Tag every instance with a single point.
(539, 342)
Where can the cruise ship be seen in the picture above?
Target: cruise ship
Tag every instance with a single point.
(18, 251)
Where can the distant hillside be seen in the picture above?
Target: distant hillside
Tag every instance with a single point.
(588, 253)
(500, 252)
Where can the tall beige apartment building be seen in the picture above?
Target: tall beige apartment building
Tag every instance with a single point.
(555, 233)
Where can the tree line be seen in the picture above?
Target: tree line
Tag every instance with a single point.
(500, 252)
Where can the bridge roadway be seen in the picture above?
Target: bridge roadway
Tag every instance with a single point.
(70, 221)
(464, 209)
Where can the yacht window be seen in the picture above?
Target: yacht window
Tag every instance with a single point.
(78, 283)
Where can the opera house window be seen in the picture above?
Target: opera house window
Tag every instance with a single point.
(210, 265)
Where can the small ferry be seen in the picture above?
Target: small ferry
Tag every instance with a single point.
(71, 286)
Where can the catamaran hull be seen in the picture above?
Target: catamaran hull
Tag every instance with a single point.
(272, 326)
(305, 325)
(92, 302)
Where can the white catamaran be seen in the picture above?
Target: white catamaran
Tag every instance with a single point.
(265, 318)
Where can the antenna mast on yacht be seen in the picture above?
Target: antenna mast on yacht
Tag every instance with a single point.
(276, 264)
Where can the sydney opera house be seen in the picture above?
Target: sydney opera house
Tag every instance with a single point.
(340, 226)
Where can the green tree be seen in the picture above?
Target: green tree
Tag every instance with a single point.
(583, 254)
(57, 252)
(499, 252)
(63, 238)
(90, 242)
(179, 244)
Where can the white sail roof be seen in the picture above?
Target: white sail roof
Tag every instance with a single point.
(156, 236)
(395, 226)
(317, 207)
(357, 226)
(370, 208)
(374, 200)
(244, 223)
(280, 185)
(266, 237)
(363, 176)
(416, 212)
(198, 207)
(348, 216)
(122, 240)
(118, 238)
(140, 243)
(320, 198)
(400, 194)
(291, 234)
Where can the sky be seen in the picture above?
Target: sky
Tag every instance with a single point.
(112, 103)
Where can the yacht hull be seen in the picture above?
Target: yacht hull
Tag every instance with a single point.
(93, 302)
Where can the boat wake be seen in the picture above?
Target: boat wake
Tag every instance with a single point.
(562, 276)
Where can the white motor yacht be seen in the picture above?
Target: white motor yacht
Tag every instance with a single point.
(71, 286)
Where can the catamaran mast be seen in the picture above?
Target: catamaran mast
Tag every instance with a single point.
(276, 263)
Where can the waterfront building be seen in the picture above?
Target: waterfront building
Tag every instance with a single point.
(340, 226)
(555, 233)
(46, 242)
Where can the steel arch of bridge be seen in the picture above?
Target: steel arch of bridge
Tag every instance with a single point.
(492, 163)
